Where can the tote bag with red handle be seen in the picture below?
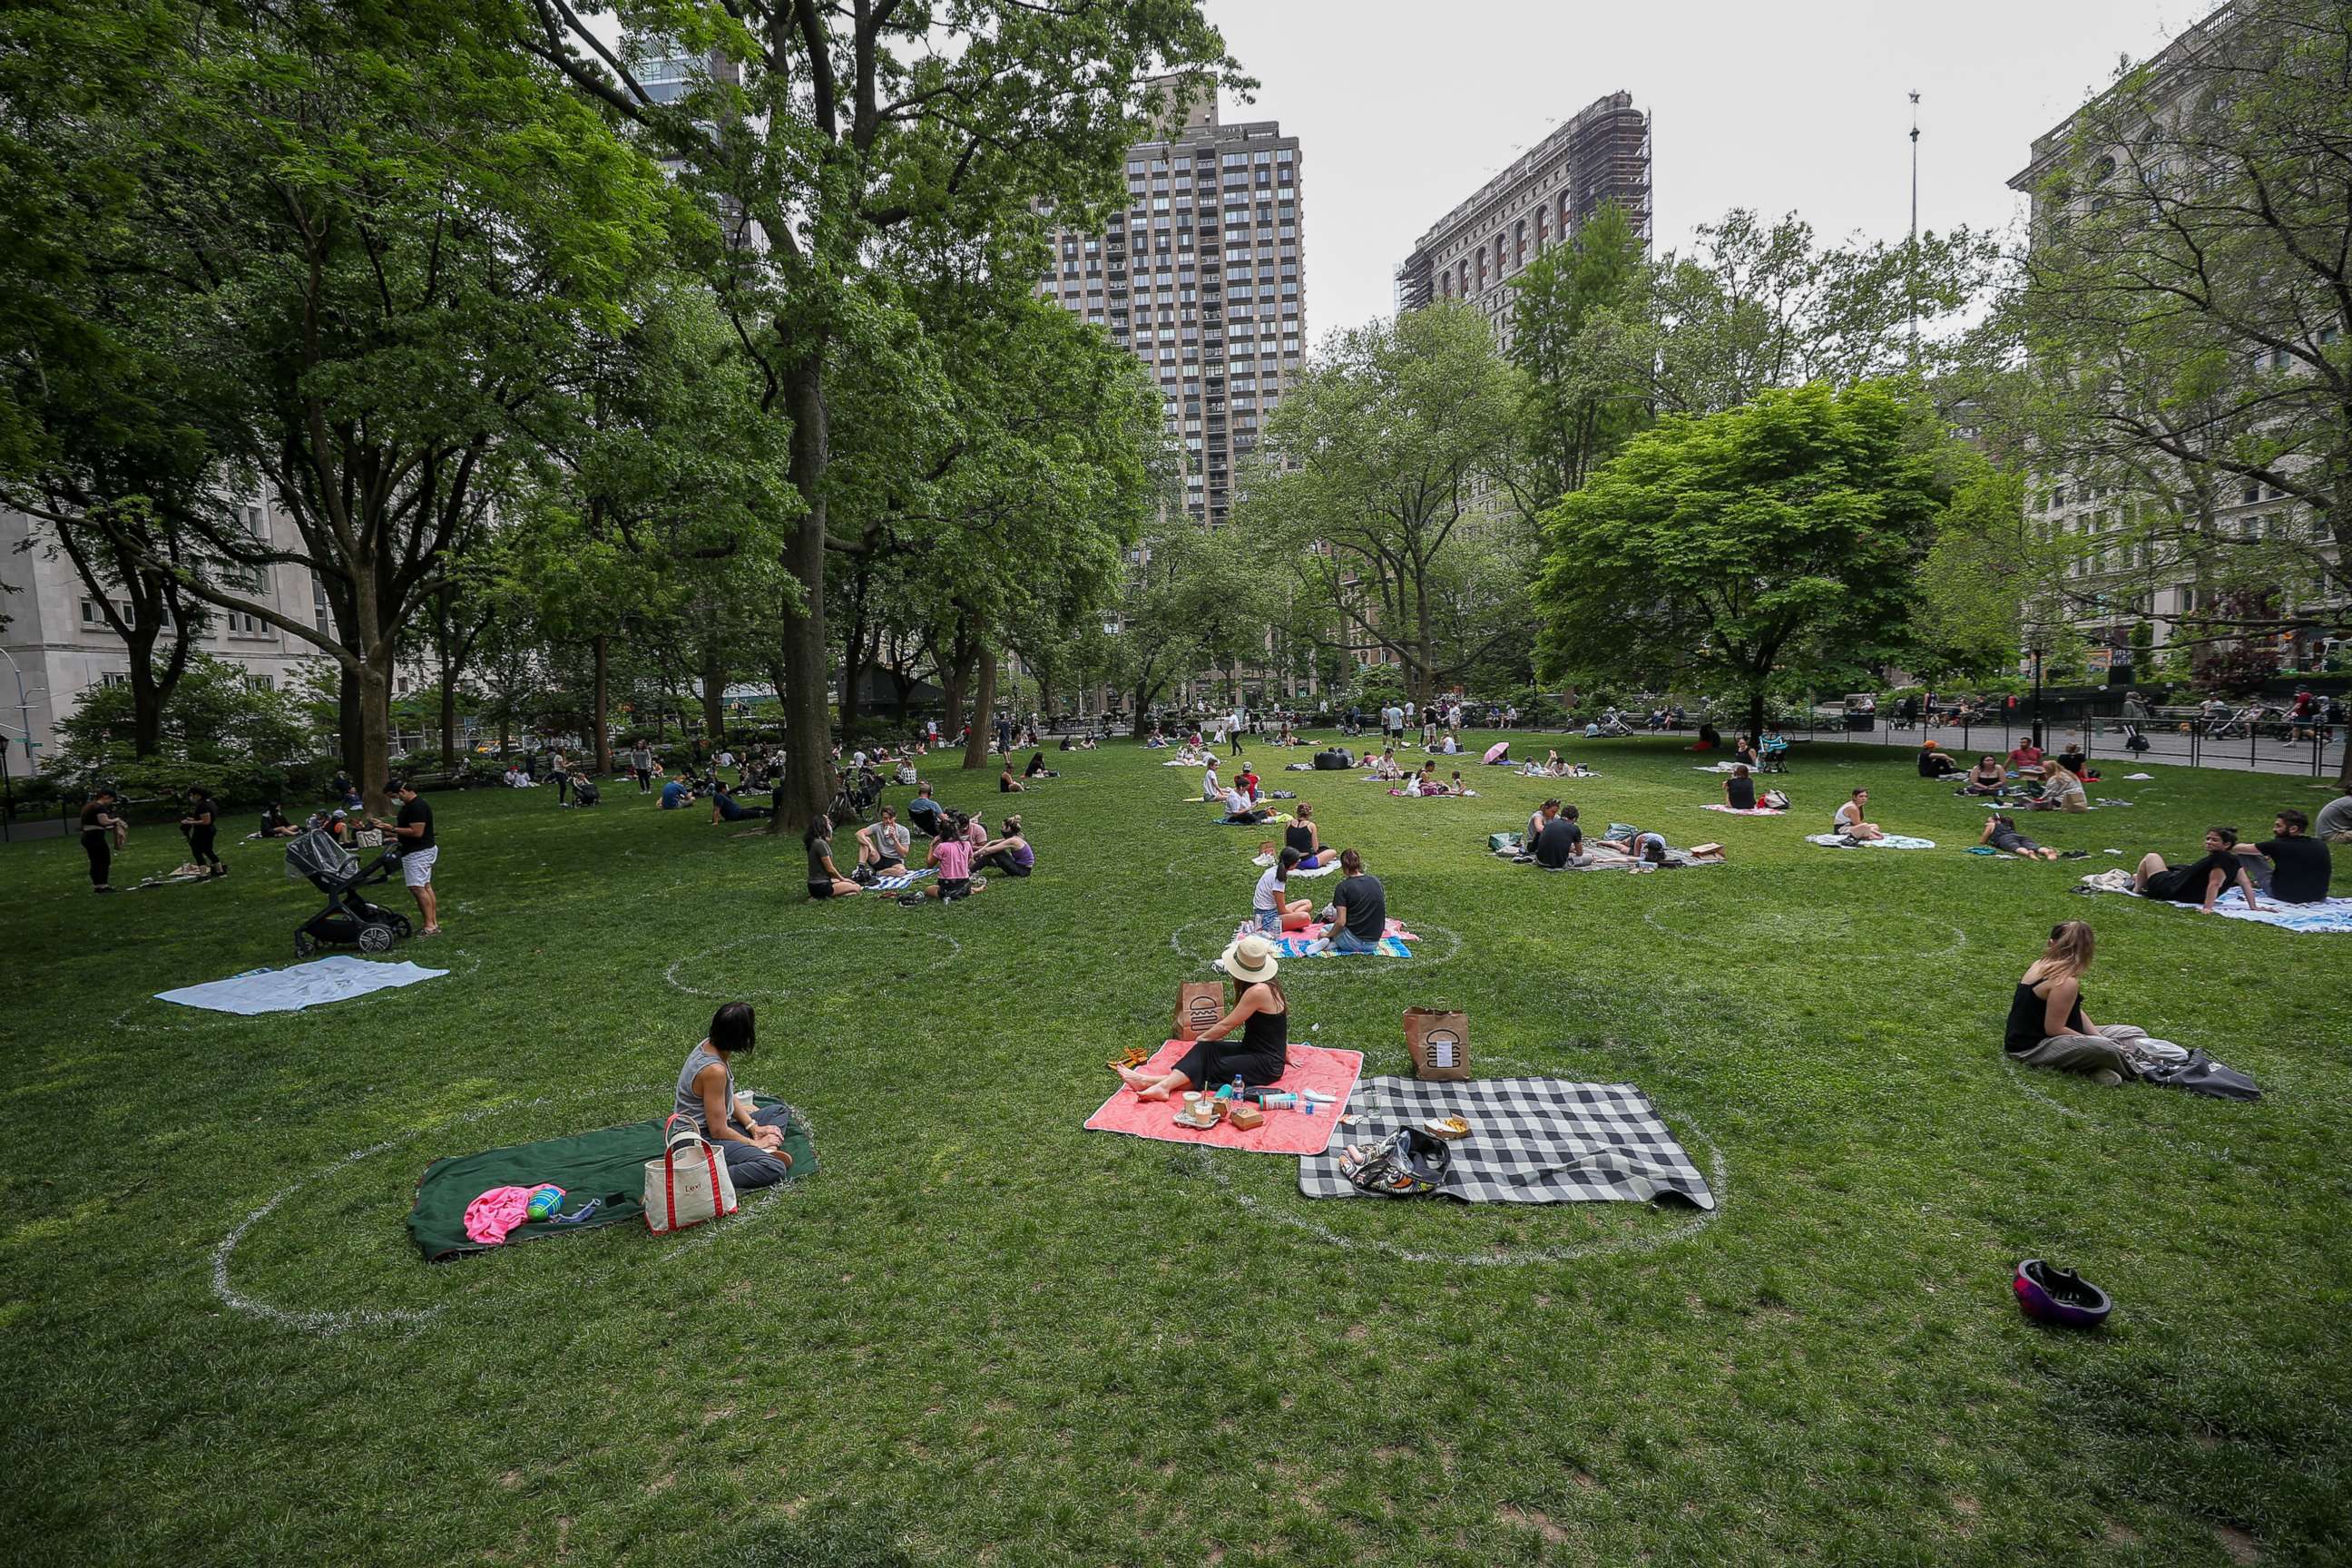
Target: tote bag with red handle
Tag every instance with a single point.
(689, 1183)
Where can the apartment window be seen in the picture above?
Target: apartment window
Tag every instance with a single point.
(261, 682)
(114, 678)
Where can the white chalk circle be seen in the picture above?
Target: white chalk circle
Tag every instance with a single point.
(2018, 1079)
(326, 1322)
(793, 962)
(1437, 945)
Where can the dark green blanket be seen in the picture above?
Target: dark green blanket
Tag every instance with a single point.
(608, 1163)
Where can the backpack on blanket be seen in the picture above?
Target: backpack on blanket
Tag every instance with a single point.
(2201, 1074)
(1406, 1164)
(1777, 800)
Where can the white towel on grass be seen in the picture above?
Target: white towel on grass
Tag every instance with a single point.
(312, 984)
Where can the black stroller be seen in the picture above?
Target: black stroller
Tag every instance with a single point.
(349, 920)
(584, 790)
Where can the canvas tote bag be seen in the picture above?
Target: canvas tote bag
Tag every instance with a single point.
(688, 1184)
(1199, 1004)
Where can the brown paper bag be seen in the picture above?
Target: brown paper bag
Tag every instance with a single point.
(1199, 1004)
(1440, 1044)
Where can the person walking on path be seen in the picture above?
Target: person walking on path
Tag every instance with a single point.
(414, 828)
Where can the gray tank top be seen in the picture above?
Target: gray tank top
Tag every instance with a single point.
(690, 1099)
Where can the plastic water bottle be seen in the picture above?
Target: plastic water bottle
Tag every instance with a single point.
(1239, 1086)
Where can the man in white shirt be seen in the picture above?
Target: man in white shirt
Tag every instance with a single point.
(1241, 722)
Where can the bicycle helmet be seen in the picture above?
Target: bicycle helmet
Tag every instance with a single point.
(2050, 1294)
(1406, 1164)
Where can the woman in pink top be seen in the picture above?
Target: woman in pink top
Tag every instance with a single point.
(951, 858)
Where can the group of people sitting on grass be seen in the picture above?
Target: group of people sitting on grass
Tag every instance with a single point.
(1555, 839)
(2041, 783)
(1552, 767)
(2291, 866)
(960, 847)
(1357, 915)
(1008, 784)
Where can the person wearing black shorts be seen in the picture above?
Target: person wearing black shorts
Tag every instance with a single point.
(101, 830)
(201, 824)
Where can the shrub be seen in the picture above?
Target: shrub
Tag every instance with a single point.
(244, 743)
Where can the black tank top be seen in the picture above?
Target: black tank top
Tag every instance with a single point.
(1266, 1034)
(2026, 1012)
(1299, 837)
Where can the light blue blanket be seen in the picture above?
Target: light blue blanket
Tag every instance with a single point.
(312, 984)
(2327, 915)
(904, 879)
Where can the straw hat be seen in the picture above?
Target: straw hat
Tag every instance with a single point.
(1249, 960)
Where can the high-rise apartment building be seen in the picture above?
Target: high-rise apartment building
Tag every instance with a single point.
(1202, 278)
(1545, 196)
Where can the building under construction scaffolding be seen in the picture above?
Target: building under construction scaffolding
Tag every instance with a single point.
(1601, 155)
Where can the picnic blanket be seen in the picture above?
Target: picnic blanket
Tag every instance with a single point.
(1750, 811)
(312, 984)
(1531, 1141)
(607, 1164)
(2328, 916)
(1891, 841)
(903, 880)
(1285, 1132)
(1294, 944)
(1325, 869)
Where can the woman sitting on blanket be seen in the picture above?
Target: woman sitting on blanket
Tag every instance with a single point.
(2060, 791)
(1271, 910)
(2047, 1026)
(1384, 767)
(1849, 820)
(951, 857)
(1745, 753)
(1740, 789)
(2000, 832)
(1426, 782)
(825, 878)
(1259, 1011)
(1037, 768)
(1238, 809)
(2203, 881)
(752, 1143)
(1305, 838)
(1988, 777)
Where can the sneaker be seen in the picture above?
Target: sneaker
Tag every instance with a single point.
(1322, 949)
(2108, 1078)
(101, 890)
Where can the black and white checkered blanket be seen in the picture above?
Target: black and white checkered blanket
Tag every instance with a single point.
(1531, 1141)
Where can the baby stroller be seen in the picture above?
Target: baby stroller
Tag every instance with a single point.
(1612, 723)
(349, 920)
(585, 791)
(1772, 754)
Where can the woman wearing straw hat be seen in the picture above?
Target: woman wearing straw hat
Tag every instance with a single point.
(1260, 1013)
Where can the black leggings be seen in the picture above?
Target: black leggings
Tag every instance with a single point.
(1212, 1062)
(100, 850)
(200, 846)
(1002, 861)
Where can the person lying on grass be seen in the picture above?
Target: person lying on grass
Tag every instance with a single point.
(2000, 832)
(1271, 907)
(1988, 777)
(825, 878)
(1740, 789)
(1937, 764)
(1259, 1011)
(2201, 881)
(1647, 847)
(1850, 822)
(2047, 1026)
(752, 1143)
(725, 807)
(951, 857)
(1304, 837)
(2060, 790)
(882, 847)
(1009, 852)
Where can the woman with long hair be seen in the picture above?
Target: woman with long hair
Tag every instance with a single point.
(1303, 836)
(2047, 1026)
(1272, 908)
(1258, 1010)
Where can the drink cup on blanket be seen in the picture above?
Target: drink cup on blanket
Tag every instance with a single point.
(745, 1106)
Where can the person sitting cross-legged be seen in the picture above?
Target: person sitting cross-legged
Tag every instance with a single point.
(1238, 809)
(1849, 819)
(1008, 852)
(882, 846)
(752, 1143)
(1560, 840)
(1259, 1010)
(1360, 910)
(825, 878)
(1988, 777)
(1934, 764)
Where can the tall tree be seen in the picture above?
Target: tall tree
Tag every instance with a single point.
(1377, 472)
(1767, 541)
(1571, 311)
(829, 130)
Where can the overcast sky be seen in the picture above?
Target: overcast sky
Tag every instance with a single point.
(1405, 108)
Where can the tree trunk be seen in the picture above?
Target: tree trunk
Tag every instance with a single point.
(957, 683)
(349, 722)
(1756, 715)
(714, 691)
(808, 732)
(146, 700)
(449, 717)
(373, 680)
(602, 717)
(983, 711)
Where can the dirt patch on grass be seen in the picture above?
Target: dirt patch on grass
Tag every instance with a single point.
(1529, 1519)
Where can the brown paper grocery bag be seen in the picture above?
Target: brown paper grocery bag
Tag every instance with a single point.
(1199, 1004)
(1440, 1044)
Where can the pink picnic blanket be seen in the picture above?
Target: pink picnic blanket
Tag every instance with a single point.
(1316, 930)
(1285, 1132)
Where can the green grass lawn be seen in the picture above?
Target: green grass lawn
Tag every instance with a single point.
(985, 1335)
